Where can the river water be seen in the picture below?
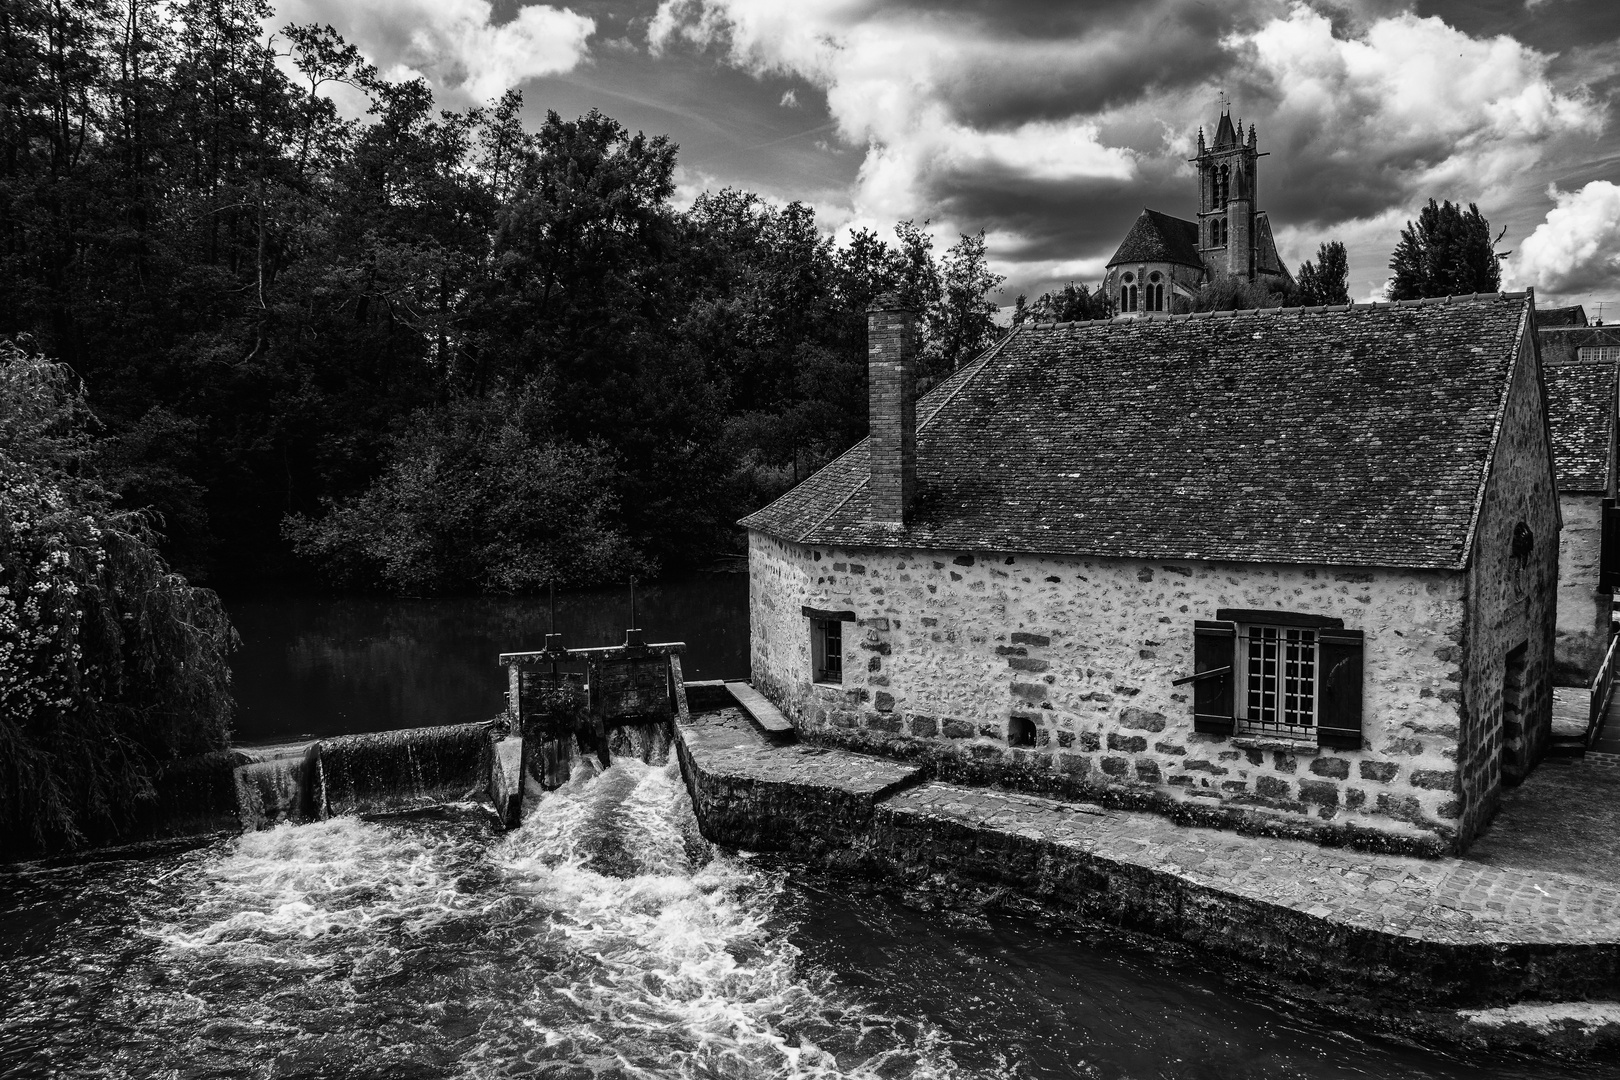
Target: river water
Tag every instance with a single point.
(603, 938)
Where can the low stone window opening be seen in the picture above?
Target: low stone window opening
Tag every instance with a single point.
(827, 651)
(1021, 731)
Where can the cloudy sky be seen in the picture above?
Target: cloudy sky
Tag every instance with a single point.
(1051, 125)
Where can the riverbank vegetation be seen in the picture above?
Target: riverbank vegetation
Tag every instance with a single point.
(425, 350)
(111, 665)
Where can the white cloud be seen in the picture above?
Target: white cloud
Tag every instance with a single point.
(454, 43)
(1411, 106)
(790, 100)
(1576, 250)
(957, 117)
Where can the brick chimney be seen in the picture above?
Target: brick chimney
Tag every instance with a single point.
(891, 350)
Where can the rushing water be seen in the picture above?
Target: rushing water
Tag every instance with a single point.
(603, 938)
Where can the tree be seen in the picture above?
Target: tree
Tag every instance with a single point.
(110, 665)
(962, 323)
(1072, 303)
(1327, 281)
(1226, 292)
(1447, 252)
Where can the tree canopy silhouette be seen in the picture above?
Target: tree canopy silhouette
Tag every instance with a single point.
(1448, 251)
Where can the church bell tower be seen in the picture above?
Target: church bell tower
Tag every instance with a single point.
(1228, 189)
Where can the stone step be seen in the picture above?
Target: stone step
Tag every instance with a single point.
(761, 711)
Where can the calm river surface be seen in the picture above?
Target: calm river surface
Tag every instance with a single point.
(603, 938)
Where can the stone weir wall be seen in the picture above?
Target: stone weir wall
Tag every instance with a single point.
(949, 651)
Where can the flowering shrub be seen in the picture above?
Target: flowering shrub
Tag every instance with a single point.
(110, 665)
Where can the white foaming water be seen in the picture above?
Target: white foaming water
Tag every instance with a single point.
(677, 971)
(603, 934)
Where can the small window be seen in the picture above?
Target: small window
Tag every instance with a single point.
(1129, 278)
(1021, 731)
(1598, 354)
(827, 651)
(1290, 676)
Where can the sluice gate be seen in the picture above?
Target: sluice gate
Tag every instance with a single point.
(623, 704)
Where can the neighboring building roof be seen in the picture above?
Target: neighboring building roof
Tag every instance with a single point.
(1560, 316)
(1358, 435)
(1580, 414)
(1159, 237)
(1564, 343)
(1266, 259)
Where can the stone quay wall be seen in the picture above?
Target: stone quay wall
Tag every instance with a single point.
(951, 648)
(1583, 612)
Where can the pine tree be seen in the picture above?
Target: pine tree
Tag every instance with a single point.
(1447, 252)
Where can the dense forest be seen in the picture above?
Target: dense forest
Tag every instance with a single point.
(425, 350)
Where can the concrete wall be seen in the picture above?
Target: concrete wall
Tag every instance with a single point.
(951, 646)
(1511, 603)
(1583, 612)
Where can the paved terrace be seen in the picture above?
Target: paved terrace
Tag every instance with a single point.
(1547, 873)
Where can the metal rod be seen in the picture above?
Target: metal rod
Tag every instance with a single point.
(552, 629)
(632, 603)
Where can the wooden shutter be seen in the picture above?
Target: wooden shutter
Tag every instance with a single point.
(1609, 560)
(1214, 647)
(1338, 721)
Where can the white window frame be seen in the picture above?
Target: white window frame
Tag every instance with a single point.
(1598, 354)
(1278, 729)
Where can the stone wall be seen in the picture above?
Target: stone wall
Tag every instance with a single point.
(952, 649)
(1583, 612)
(1512, 593)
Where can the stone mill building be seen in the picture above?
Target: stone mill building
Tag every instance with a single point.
(1163, 257)
(1291, 570)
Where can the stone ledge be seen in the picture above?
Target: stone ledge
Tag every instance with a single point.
(1419, 932)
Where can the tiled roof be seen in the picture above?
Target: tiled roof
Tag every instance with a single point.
(1560, 316)
(1159, 237)
(1580, 413)
(1352, 436)
(1224, 135)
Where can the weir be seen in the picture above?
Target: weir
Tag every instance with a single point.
(624, 704)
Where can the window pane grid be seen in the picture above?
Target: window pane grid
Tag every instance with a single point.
(1280, 680)
(1598, 353)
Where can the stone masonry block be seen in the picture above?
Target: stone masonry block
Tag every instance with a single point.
(1320, 792)
(1147, 772)
(1142, 719)
(1130, 744)
(1381, 771)
(1272, 788)
(1338, 768)
(1433, 779)
(1116, 766)
(924, 727)
(1090, 741)
(1029, 691)
(1021, 638)
(1019, 663)
(959, 729)
(884, 701)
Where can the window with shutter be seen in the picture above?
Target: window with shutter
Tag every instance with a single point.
(1278, 674)
(1339, 714)
(1214, 645)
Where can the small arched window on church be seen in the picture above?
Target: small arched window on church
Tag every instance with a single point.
(1224, 230)
(1155, 292)
(1127, 293)
(1223, 186)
